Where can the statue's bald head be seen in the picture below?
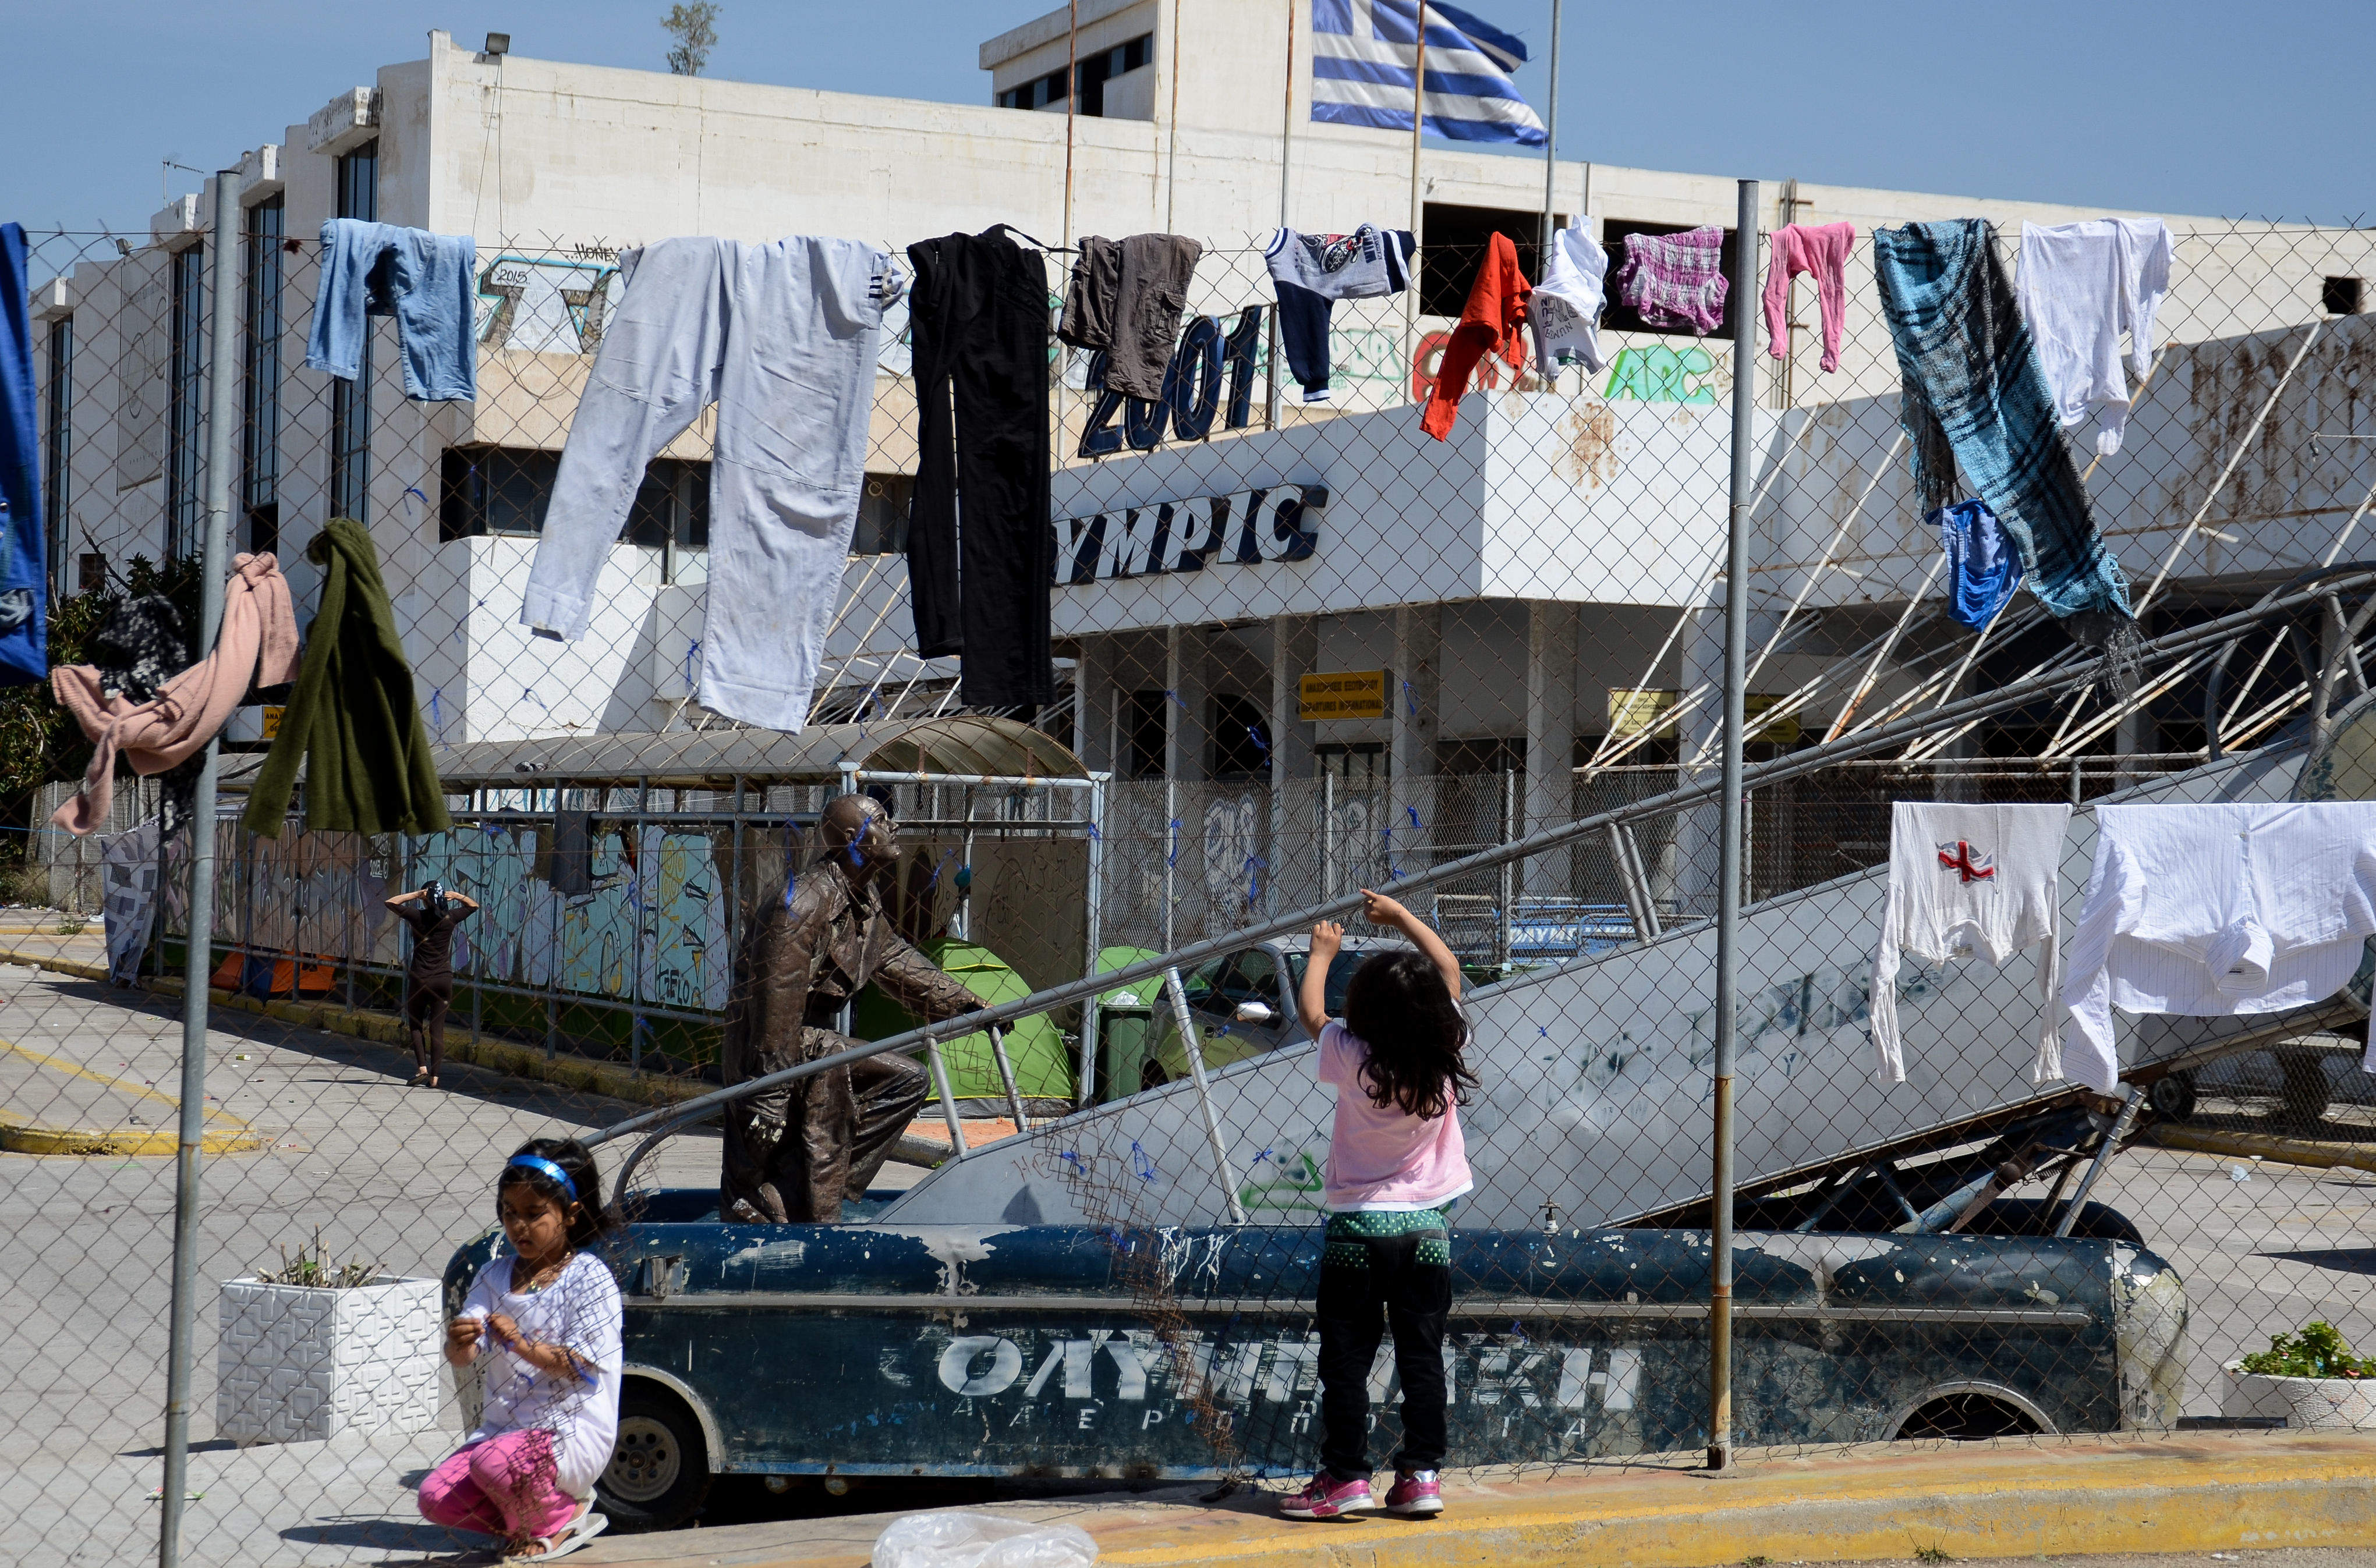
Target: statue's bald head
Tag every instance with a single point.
(857, 834)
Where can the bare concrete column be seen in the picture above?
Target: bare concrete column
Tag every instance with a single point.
(1293, 854)
(1551, 738)
(1415, 698)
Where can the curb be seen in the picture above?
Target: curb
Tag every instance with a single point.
(32, 1137)
(580, 1073)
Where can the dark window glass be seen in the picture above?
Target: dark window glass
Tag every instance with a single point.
(260, 439)
(1241, 739)
(359, 183)
(58, 435)
(883, 515)
(1146, 727)
(495, 490)
(358, 189)
(187, 403)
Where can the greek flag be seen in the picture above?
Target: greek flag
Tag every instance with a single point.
(1363, 53)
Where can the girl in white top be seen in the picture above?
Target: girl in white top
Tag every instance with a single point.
(548, 1319)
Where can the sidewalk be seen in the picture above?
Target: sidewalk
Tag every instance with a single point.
(2192, 1492)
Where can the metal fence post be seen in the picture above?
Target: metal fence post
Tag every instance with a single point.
(222, 413)
(1727, 926)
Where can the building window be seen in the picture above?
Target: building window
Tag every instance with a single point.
(2342, 296)
(883, 515)
(1147, 727)
(92, 572)
(260, 437)
(57, 467)
(1241, 739)
(186, 388)
(358, 183)
(495, 490)
(1095, 71)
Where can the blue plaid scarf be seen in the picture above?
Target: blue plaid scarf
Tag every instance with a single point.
(1973, 394)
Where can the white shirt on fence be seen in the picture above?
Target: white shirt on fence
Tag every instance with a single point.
(2081, 284)
(1965, 881)
(2213, 910)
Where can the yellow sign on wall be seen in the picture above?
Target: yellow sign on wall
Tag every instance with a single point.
(272, 721)
(1634, 710)
(1343, 694)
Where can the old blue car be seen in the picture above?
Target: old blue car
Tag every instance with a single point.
(865, 1349)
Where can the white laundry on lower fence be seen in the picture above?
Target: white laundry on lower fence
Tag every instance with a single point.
(2215, 910)
(1965, 881)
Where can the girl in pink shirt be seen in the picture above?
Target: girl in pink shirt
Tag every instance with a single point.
(1394, 1160)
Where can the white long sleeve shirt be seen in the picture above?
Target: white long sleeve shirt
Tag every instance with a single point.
(1968, 881)
(2081, 285)
(2214, 911)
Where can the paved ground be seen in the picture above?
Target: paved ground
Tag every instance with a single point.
(396, 1176)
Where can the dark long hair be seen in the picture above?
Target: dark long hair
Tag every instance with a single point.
(592, 1219)
(1399, 1006)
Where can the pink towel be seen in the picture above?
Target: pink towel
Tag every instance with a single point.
(258, 638)
(1823, 251)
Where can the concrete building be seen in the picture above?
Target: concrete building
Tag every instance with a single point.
(1521, 585)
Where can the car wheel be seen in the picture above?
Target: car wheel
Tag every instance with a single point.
(658, 1472)
(1152, 1076)
(2172, 1097)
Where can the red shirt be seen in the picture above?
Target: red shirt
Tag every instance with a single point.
(1490, 324)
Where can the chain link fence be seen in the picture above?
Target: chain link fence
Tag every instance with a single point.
(1302, 649)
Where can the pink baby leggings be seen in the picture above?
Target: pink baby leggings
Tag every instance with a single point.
(501, 1486)
(1823, 250)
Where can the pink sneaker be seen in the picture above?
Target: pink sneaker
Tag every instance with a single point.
(1415, 1493)
(1327, 1497)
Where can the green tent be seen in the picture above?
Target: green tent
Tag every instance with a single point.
(1034, 1048)
(1126, 1015)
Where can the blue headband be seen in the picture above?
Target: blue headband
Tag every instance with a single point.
(544, 1167)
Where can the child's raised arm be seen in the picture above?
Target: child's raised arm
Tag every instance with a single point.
(1379, 909)
(1311, 997)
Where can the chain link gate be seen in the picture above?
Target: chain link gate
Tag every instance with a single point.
(1484, 673)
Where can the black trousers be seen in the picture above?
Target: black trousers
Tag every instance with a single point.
(1416, 1299)
(980, 551)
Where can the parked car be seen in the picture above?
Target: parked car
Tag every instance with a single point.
(854, 1351)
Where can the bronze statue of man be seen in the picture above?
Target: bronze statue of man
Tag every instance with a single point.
(793, 1153)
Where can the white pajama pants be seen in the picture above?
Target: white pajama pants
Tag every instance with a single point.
(781, 336)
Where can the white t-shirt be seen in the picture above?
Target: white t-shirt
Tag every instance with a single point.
(1565, 307)
(582, 1311)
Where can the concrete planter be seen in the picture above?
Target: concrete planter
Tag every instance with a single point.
(297, 1363)
(2307, 1404)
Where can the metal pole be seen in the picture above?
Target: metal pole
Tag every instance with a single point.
(1286, 164)
(1550, 146)
(1088, 1085)
(1006, 1077)
(222, 413)
(1728, 927)
(957, 1149)
(1418, 211)
(1195, 1050)
(2104, 1152)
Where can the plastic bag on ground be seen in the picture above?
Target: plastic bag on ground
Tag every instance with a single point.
(960, 1539)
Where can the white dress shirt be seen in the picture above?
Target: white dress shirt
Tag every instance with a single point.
(2213, 910)
(1965, 881)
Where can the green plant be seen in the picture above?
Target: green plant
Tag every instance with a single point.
(2317, 1351)
(1932, 1554)
(70, 926)
(313, 1272)
(1755, 1561)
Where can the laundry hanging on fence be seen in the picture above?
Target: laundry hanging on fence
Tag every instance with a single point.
(1566, 308)
(257, 642)
(24, 560)
(1126, 297)
(1972, 392)
(2215, 910)
(980, 310)
(2081, 285)
(1982, 568)
(1489, 325)
(1311, 272)
(1969, 881)
(140, 647)
(1674, 280)
(783, 338)
(353, 720)
(1821, 250)
(428, 282)
(127, 875)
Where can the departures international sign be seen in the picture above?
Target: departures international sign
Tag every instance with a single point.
(1277, 523)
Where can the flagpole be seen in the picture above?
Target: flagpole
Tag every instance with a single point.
(1418, 218)
(1551, 173)
(1286, 164)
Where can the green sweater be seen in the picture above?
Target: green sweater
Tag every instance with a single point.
(353, 717)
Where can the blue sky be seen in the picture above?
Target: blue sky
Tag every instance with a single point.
(2180, 107)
